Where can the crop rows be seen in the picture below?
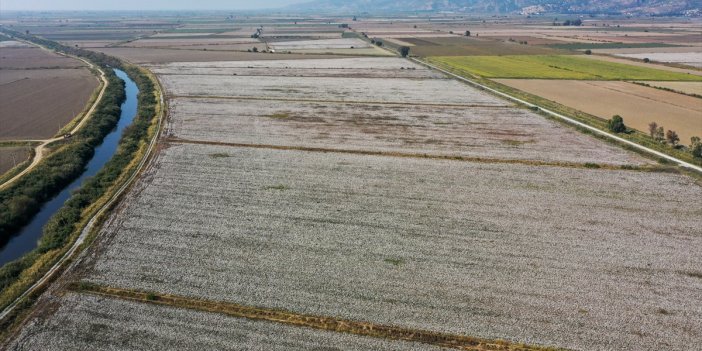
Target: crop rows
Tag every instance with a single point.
(88, 322)
(502, 133)
(576, 258)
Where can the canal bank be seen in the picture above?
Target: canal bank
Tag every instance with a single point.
(27, 238)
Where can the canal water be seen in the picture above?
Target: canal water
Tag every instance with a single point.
(27, 238)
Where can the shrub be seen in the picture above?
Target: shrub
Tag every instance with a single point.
(588, 52)
(616, 124)
(404, 51)
(696, 146)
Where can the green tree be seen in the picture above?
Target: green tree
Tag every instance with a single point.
(616, 124)
(404, 51)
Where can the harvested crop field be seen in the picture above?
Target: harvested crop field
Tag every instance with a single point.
(345, 43)
(12, 156)
(344, 67)
(556, 67)
(501, 133)
(693, 59)
(62, 95)
(150, 55)
(166, 42)
(692, 88)
(400, 90)
(32, 57)
(477, 249)
(638, 105)
(468, 46)
(89, 322)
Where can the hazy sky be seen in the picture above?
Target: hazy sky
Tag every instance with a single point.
(11, 5)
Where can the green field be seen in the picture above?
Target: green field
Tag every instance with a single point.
(555, 67)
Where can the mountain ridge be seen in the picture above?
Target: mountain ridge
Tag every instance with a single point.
(612, 7)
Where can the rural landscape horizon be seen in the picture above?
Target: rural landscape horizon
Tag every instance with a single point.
(351, 175)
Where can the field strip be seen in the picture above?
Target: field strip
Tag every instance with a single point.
(176, 140)
(337, 101)
(567, 119)
(39, 150)
(459, 342)
(75, 248)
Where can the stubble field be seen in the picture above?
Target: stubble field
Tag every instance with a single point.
(11, 156)
(638, 105)
(62, 93)
(542, 255)
(494, 133)
(90, 322)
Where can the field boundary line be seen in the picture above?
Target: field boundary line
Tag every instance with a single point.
(369, 329)
(84, 233)
(355, 102)
(39, 149)
(474, 159)
(598, 131)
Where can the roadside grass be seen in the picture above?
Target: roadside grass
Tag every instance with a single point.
(638, 137)
(555, 67)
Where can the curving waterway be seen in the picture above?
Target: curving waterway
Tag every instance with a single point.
(27, 238)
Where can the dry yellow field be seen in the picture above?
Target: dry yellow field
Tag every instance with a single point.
(684, 87)
(638, 105)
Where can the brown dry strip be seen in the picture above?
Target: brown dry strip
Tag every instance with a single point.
(336, 101)
(459, 342)
(647, 168)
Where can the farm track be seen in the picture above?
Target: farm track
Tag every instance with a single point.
(176, 140)
(39, 150)
(453, 341)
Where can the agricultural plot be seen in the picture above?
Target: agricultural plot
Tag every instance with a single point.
(638, 105)
(344, 67)
(34, 58)
(502, 133)
(89, 322)
(399, 90)
(691, 88)
(153, 56)
(345, 43)
(584, 259)
(693, 59)
(62, 93)
(12, 156)
(556, 67)
(180, 42)
(462, 46)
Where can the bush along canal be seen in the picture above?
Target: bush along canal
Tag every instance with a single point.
(27, 238)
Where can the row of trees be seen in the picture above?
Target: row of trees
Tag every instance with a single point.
(658, 133)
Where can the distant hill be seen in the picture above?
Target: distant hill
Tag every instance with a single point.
(618, 7)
